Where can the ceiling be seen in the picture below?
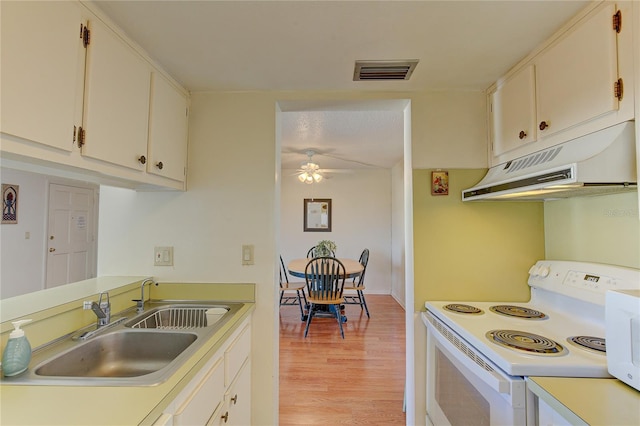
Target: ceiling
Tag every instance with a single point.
(312, 46)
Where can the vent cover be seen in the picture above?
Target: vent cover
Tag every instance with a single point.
(384, 70)
(533, 160)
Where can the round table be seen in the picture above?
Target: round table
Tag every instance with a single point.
(352, 267)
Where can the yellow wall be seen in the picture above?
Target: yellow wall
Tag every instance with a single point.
(472, 251)
(602, 229)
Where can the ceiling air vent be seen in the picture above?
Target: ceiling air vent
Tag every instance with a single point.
(384, 70)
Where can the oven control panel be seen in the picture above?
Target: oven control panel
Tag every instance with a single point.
(586, 281)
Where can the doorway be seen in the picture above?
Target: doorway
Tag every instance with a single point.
(399, 253)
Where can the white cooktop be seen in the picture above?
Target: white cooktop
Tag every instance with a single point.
(571, 294)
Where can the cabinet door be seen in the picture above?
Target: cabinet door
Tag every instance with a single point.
(42, 71)
(575, 78)
(514, 112)
(116, 107)
(206, 398)
(167, 130)
(238, 398)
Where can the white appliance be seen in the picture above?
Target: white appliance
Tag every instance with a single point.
(480, 353)
(599, 163)
(623, 335)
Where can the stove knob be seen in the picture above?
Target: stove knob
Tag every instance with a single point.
(533, 270)
(544, 271)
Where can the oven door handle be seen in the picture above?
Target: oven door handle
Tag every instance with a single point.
(475, 362)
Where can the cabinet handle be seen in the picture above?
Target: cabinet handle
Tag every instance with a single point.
(543, 125)
(225, 416)
(522, 134)
(159, 165)
(51, 250)
(235, 399)
(142, 159)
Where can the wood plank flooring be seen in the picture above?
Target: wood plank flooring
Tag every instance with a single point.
(357, 381)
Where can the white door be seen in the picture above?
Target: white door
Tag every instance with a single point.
(71, 248)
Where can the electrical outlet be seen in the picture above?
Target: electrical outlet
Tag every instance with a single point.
(247, 254)
(163, 256)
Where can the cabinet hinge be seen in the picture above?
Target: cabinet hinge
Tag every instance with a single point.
(618, 89)
(86, 36)
(74, 135)
(81, 137)
(617, 21)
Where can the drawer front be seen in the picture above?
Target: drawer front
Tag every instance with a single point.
(204, 400)
(236, 354)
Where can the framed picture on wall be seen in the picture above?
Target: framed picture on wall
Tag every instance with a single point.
(9, 203)
(439, 183)
(317, 215)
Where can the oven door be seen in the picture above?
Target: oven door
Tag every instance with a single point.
(463, 387)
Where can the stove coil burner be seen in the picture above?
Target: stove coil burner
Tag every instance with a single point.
(525, 341)
(518, 311)
(463, 309)
(595, 344)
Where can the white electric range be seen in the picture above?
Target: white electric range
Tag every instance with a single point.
(481, 352)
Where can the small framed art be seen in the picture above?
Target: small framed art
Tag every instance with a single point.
(439, 183)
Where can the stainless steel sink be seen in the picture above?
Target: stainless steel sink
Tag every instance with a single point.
(180, 317)
(132, 351)
(119, 354)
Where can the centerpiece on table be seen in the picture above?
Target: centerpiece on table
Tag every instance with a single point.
(325, 248)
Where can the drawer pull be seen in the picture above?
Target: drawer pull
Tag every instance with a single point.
(543, 125)
(225, 416)
(142, 159)
(235, 399)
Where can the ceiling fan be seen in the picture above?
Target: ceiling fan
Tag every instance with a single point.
(310, 172)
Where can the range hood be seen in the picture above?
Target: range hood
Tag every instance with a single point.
(602, 162)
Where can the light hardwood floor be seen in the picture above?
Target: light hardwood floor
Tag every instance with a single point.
(326, 380)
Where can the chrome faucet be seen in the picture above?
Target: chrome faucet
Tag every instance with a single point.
(140, 302)
(102, 310)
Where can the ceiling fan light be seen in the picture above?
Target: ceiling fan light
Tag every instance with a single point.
(317, 177)
(302, 177)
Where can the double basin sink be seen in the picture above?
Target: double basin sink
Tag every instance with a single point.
(143, 349)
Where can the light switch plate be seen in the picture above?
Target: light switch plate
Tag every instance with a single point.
(163, 256)
(247, 254)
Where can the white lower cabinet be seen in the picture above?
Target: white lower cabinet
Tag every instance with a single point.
(237, 399)
(220, 393)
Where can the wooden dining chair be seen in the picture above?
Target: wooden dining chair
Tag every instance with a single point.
(325, 278)
(287, 298)
(354, 289)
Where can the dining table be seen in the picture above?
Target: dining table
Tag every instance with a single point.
(352, 267)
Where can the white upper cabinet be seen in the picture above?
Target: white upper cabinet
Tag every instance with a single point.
(514, 110)
(168, 121)
(42, 71)
(577, 83)
(77, 94)
(116, 106)
(576, 76)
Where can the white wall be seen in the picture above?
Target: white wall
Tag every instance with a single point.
(23, 260)
(398, 239)
(232, 200)
(361, 218)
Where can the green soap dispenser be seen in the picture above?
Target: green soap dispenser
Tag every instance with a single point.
(17, 353)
